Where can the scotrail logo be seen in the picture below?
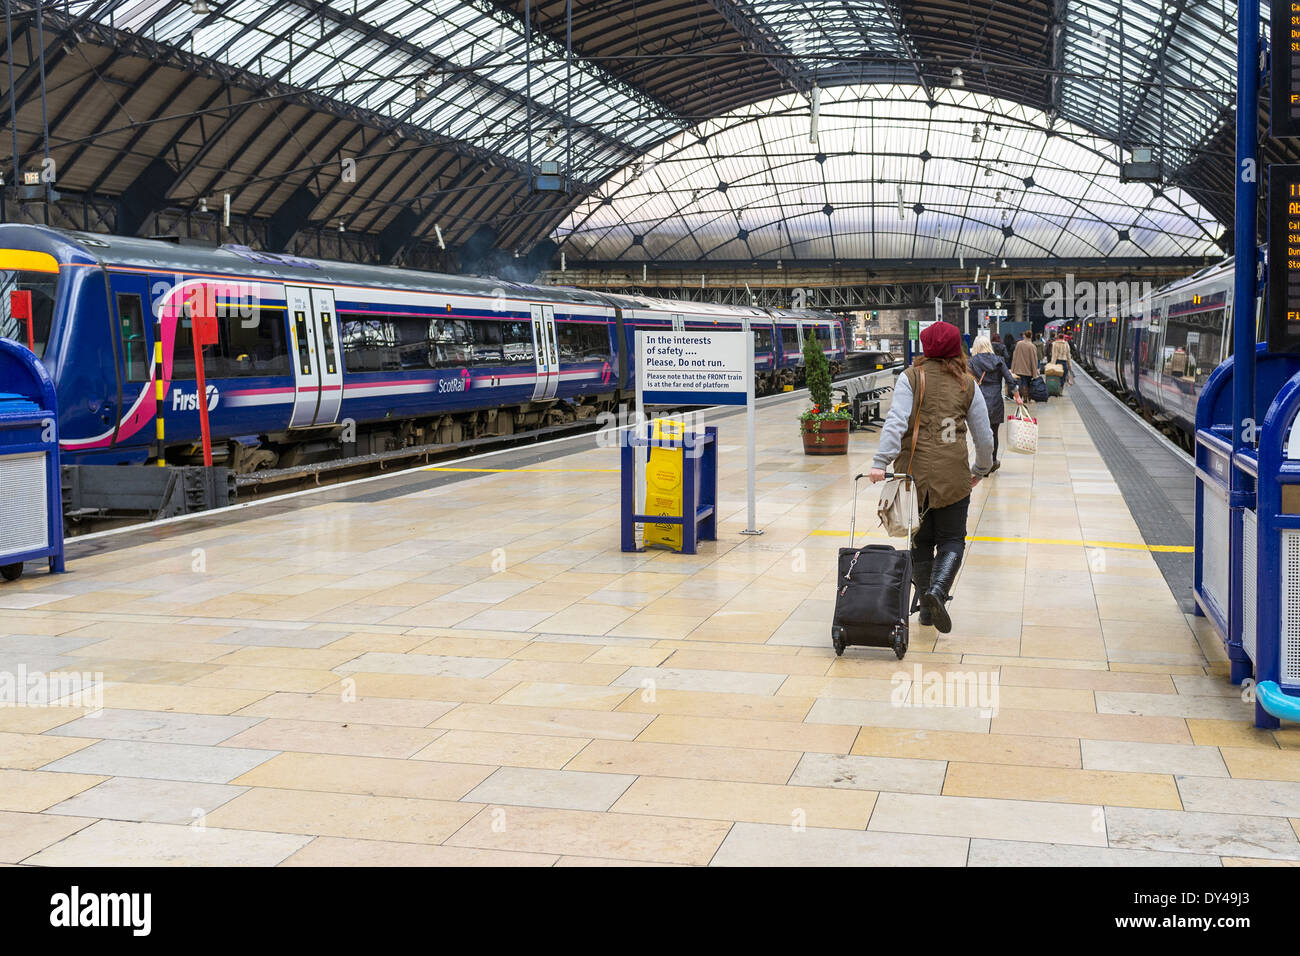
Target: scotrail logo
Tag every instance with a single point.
(189, 401)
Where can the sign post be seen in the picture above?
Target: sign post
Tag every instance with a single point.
(697, 368)
(203, 331)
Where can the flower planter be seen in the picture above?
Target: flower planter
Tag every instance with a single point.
(825, 437)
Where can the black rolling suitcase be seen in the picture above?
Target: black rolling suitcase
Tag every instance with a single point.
(873, 592)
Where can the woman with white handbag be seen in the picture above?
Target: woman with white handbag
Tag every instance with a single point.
(935, 403)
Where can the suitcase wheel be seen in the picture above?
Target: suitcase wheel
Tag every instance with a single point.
(900, 643)
(837, 641)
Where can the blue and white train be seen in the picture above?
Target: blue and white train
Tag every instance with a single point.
(306, 347)
(1159, 349)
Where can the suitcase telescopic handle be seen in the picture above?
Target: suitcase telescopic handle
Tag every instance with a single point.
(853, 515)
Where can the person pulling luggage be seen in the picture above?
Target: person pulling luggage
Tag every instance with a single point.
(935, 403)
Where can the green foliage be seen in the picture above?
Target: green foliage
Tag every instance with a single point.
(817, 373)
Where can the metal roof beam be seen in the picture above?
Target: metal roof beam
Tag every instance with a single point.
(904, 37)
(766, 43)
(1155, 69)
(436, 62)
(649, 100)
(174, 57)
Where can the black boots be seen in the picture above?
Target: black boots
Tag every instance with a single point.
(921, 578)
(941, 576)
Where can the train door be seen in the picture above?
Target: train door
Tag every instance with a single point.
(133, 329)
(307, 375)
(679, 323)
(545, 352)
(326, 330)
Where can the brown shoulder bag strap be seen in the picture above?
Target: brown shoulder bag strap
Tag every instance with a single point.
(916, 412)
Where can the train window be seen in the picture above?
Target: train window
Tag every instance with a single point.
(327, 333)
(789, 338)
(183, 351)
(303, 337)
(451, 343)
(252, 344)
(582, 341)
(762, 340)
(517, 342)
(370, 343)
(41, 285)
(135, 347)
(487, 343)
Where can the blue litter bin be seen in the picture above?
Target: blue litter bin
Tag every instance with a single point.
(31, 497)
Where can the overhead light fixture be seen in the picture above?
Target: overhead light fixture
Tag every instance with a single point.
(225, 210)
(200, 8)
(815, 113)
(975, 136)
(1004, 263)
(961, 262)
(550, 139)
(977, 275)
(341, 229)
(203, 204)
(902, 214)
(564, 264)
(421, 91)
(957, 81)
(437, 231)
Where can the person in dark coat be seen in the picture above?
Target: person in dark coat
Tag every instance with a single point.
(1009, 343)
(990, 373)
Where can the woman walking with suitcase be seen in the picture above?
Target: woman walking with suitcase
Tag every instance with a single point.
(990, 373)
(935, 403)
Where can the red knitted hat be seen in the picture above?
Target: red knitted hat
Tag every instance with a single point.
(941, 340)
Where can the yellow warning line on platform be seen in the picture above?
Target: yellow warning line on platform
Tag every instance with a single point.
(534, 470)
(1113, 545)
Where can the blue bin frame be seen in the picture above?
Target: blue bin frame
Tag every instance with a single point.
(699, 488)
(33, 431)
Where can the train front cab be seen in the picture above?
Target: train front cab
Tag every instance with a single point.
(90, 356)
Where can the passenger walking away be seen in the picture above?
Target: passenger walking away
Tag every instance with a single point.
(989, 372)
(935, 403)
(1061, 356)
(1024, 363)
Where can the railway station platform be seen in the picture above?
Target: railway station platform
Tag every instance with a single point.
(458, 666)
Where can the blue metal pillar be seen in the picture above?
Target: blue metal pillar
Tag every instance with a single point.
(1247, 215)
(1241, 495)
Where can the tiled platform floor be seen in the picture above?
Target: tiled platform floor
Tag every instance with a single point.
(474, 674)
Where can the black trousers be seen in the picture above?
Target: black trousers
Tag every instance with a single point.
(941, 529)
(1024, 386)
(994, 423)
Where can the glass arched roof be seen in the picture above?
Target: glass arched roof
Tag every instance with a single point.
(888, 177)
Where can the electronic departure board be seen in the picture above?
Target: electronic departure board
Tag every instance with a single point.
(1284, 116)
(1284, 258)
